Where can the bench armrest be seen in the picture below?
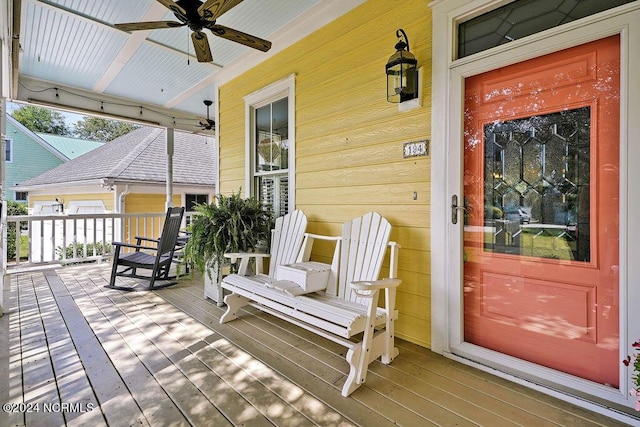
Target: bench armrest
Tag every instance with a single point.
(244, 258)
(234, 256)
(375, 285)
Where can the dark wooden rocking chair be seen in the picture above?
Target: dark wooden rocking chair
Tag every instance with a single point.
(158, 261)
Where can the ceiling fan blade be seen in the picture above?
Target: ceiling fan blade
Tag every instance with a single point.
(173, 7)
(240, 37)
(201, 46)
(151, 25)
(213, 9)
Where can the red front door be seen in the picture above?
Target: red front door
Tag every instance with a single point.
(541, 192)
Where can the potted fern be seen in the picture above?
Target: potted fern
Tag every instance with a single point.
(230, 224)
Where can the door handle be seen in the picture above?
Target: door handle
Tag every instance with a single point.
(455, 208)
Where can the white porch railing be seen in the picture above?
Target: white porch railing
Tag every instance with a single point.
(64, 239)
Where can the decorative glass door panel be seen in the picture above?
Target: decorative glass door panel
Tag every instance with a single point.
(541, 185)
(536, 185)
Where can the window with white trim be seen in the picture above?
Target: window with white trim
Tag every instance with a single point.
(8, 144)
(270, 146)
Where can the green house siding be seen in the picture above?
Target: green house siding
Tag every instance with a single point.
(29, 158)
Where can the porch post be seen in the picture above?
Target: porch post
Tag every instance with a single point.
(169, 141)
(3, 201)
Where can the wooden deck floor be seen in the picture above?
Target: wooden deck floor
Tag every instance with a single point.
(79, 354)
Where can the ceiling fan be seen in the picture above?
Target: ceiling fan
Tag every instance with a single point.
(198, 15)
(209, 124)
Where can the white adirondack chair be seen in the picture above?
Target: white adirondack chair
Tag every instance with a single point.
(348, 306)
(286, 240)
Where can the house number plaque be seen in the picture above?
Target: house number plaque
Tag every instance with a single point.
(415, 148)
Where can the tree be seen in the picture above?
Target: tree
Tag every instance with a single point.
(38, 119)
(100, 129)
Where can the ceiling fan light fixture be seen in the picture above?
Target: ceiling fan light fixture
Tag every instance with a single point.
(197, 16)
(207, 124)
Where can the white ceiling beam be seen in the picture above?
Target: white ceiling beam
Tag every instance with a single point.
(81, 101)
(155, 13)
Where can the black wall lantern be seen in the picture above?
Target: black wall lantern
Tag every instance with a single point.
(58, 206)
(402, 73)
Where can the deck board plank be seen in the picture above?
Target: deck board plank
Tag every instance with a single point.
(71, 379)
(12, 321)
(38, 376)
(147, 376)
(115, 400)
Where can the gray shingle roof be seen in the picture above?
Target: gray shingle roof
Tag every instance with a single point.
(139, 156)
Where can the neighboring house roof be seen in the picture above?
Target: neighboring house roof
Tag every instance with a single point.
(70, 147)
(139, 156)
(38, 139)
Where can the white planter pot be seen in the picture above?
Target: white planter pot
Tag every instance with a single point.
(212, 288)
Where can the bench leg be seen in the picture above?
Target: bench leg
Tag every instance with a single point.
(353, 355)
(390, 351)
(234, 303)
(360, 355)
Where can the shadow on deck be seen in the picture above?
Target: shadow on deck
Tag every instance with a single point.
(80, 354)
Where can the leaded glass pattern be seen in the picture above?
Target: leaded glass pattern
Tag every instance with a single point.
(522, 18)
(537, 185)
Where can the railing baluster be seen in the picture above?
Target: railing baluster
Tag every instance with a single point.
(42, 241)
(53, 239)
(17, 231)
(62, 233)
(85, 249)
(64, 240)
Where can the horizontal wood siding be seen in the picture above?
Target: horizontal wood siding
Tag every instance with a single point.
(146, 203)
(30, 159)
(106, 198)
(349, 139)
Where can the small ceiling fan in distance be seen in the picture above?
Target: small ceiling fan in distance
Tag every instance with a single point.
(207, 124)
(198, 15)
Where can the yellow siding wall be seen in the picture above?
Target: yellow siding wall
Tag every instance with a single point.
(146, 203)
(106, 198)
(349, 157)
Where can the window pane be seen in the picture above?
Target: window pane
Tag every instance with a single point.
(271, 153)
(272, 136)
(8, 150)
(537, 186)
(523, 18)
(192, 199)
(273, 192)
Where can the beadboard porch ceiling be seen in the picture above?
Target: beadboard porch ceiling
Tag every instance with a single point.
(71, 55)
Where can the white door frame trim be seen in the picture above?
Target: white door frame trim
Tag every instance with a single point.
(446, 172)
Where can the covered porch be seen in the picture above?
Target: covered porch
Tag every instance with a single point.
(81, 354)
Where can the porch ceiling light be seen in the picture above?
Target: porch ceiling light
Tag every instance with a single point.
(402, 72)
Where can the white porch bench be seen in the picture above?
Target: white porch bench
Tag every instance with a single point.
(347, 311)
